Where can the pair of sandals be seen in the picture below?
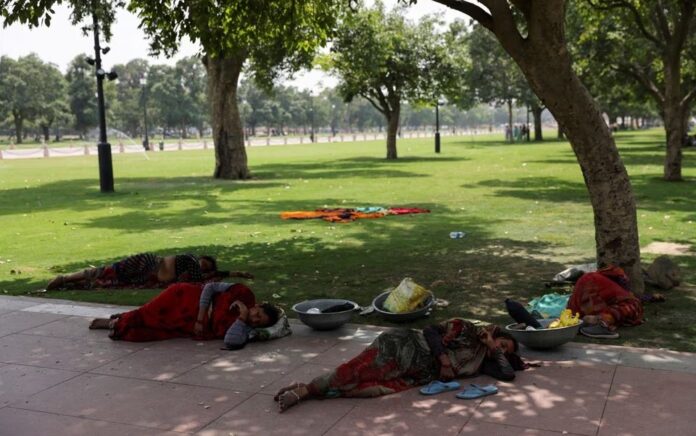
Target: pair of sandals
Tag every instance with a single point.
(471, 392)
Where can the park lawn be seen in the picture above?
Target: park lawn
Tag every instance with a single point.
(524, 209)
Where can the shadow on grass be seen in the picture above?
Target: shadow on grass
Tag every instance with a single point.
(549, 189)
(84, 195)
(475, 275)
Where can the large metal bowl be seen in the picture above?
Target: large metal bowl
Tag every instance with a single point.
(543, 339)
(378, 304)
(324, 321)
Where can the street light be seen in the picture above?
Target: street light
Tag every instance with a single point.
(437, 125)
(106, 171)
(311, 110)
(334, 122)
(243, 116)
(143, 83)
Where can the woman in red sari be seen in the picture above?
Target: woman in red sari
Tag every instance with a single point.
(213, 311)
(605, 302)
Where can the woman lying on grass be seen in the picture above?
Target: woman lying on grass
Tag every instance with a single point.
(214, 311)
(604, 301)
(145, 270)
(401, 359)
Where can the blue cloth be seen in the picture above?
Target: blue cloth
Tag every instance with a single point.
(550, 305)
(237, 335)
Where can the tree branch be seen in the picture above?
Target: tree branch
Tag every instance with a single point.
(369, 96)
(470, 9)
(682, 26)
(686, 101)
(637, 73)
(661, 20)
(637, 18)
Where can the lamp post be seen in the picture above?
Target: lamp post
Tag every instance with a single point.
(243, 117)
(437, 126)
(527, 129)
(106, 171)
(334, 121)
(146, 139)
(311, 127)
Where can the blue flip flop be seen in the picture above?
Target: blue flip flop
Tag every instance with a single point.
(438, 387)
(475, 391)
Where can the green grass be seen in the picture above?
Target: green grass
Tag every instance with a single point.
(524, 208)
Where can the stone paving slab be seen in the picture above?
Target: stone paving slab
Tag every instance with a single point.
(19, 422)
(650, 402)
(59, 378)
(163, 406)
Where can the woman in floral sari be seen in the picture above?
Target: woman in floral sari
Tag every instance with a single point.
(604, 301)
(401, 359)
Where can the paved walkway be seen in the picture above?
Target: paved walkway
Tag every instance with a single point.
(59, 378)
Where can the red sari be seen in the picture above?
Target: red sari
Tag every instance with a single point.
(173, 313)
(601, 293)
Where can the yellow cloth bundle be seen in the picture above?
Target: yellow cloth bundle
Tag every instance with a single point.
(566, 319)
(407, 297)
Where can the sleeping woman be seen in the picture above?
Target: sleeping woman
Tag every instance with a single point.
(403, 358)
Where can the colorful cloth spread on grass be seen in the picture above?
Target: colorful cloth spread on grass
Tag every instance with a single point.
(605, 293)
(401, 359)
(345, 215)
(173, 313)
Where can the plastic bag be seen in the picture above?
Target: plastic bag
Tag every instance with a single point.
(549, 305)
(566, 319)
(407, 297)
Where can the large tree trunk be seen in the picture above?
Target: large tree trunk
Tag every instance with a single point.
(230, 154)
(46, 132)
(19, 127)
(536, 114)
(392, 129)
(675, 122)
(544, 59)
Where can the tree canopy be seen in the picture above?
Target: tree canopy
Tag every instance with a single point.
(380, 56)
(653, 45)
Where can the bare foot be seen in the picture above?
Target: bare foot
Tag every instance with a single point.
(293, 385)
(56, 283)
(292, 397)
(100, 324)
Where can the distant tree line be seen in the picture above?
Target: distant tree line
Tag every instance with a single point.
(36, 99)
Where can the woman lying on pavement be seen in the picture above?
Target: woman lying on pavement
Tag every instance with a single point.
(403, 358)
(605, 302)
(214, 311)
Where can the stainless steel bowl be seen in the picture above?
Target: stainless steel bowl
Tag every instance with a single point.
(378, 304)
(544, 339)
(324, 321)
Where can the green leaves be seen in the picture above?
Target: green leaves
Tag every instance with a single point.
(274, 36)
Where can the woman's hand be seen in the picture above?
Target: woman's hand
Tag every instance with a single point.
(487, 338)
(446, 371)
(243, 310)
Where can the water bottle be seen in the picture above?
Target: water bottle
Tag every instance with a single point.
(457, 235)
